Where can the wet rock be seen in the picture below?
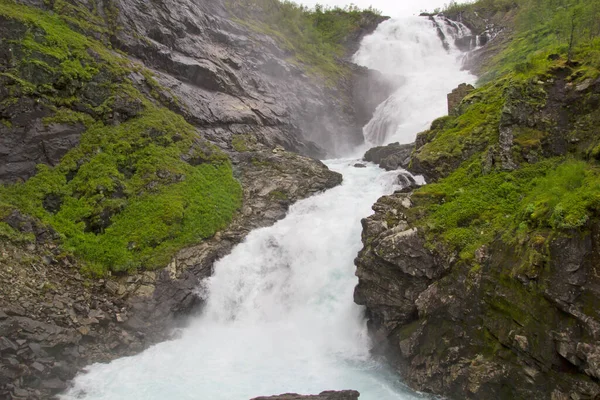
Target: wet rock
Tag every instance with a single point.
(328, 395)
(407, 182)
(391, 157)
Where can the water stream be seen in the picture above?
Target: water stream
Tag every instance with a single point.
(279, 314)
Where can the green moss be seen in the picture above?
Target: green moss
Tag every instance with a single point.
(451, 138)
(80, 17)
(133, 193)
(8, 233)
(68, 116)
(528, 138)
(279, 195)
(129, 201)
(408, 330)
(469, 209)
(243, 143)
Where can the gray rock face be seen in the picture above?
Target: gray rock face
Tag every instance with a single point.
(329, 395)
(392, 156)
(496, 329)
(225, 78)
(393, 267)
(231, 79)
(457, 95)
(27, 141)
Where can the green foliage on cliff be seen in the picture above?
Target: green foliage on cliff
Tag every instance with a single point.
(314, 37)
(142, 183)
(470, 208)
(569, 28)
(538, 100)
(450, 138)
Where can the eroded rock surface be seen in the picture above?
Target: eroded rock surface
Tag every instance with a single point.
(469, 331)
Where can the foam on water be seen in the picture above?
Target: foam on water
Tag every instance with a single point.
(279, 317)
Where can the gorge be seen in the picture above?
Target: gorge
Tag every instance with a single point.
(279, 315)
(168, 231)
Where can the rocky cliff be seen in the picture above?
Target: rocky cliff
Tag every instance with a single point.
(482, 283)
(138, 136)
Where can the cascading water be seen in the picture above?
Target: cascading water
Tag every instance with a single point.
(411, 53)
(279, 317)
(279, 314)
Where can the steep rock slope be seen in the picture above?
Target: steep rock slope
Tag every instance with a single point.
(201, 61)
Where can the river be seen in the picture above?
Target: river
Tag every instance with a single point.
(279, 314)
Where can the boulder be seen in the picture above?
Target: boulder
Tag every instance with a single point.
(328, 395)
(390, 157)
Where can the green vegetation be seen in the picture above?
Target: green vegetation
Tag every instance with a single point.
(135, 190)
(279, 195)
(243, 143)
(469, 208)
(450, 138)
(313, 37)
(477, 199)
(8, 233)
(568, 28)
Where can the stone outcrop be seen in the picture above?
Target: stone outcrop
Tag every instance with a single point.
(329, 395)
(456, 97)
(469, 331)
(390, 157)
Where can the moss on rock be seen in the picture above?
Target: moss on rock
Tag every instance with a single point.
(142, 183)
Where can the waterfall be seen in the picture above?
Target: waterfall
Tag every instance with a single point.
(418, 56)
(279, 314)
(279, 317)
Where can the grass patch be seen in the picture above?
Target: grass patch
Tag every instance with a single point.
(127, 199)
(469, 209)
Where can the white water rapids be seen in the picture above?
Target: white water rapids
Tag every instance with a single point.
(279, 314)
(411, 55)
